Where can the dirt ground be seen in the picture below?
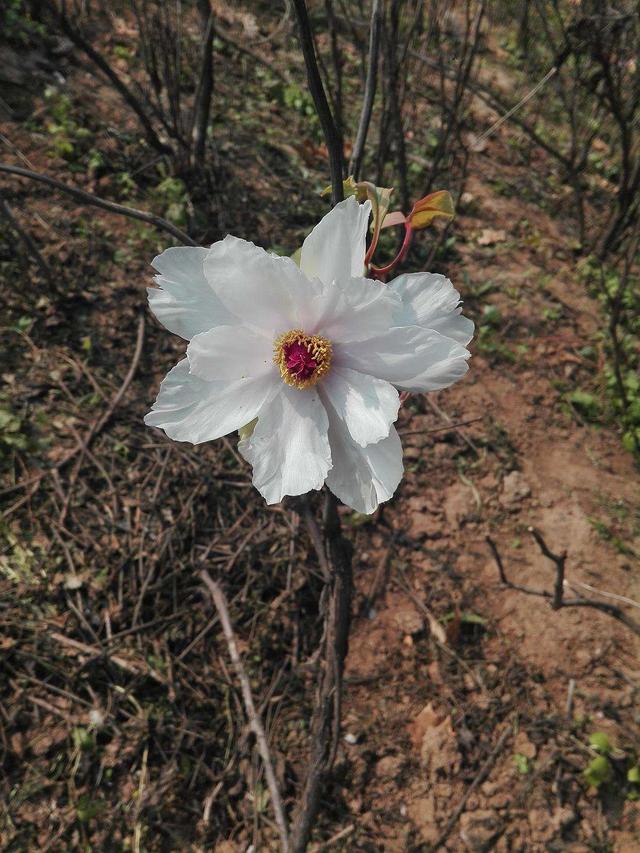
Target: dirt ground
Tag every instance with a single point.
(468, 704)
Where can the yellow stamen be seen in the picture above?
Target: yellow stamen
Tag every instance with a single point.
(309, 349)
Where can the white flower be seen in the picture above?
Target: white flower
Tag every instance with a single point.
(315, 353)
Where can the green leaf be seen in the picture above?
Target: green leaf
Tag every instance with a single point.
(633, 774)
(584, 401)
(437, 204)
(491, 315)
(522, 763)
(88, 808)
(598, 771)
(600, 742)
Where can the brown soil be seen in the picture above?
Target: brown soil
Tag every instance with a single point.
(120, 723)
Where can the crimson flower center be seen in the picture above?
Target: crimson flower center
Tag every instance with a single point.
(303, 359)
(299, 360)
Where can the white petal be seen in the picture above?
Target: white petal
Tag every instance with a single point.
(265, 291)
(368, 406)
(363, 477)
(352, 309)
(184, 302)
(430, 300)
(335, 249)
(230, 352)
(409, 357)
(190, 409)
(289, 447)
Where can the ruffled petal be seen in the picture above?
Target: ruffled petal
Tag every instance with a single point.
(430, 300)
(190, 409)
(262, 290)
(368, 406)
(289, 447)
(335, 249)
(409, 357)
(230, 352)
(363, 477)
(352, 309)
(184, 302)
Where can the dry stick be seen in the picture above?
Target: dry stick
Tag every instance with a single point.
(335, 551)
(329, 129)
(484, 772)
(369, 90)
(126, 94)
(325, 720)
(96, 201)
(204, 91)
(101, 422)
(254, 719)
(27, 239)
(557, 599)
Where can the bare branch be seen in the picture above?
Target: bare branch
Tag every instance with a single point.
(27, 239)
(118, 84)
(331, 135)
(557, 599)
(204, 91)
(335, 551)
(559, 560)
(254, 719)
(369, 91)
(96, 201)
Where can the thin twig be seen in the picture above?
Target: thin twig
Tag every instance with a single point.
(254, 719)
(204, 90)
(96, 201)
(27, 239)
(125, 92)
(482, 775)
(557, 599)
(329, 129)
(102, 421)
(614, 596)
(559, 561)
(325, 721)
(369, 90)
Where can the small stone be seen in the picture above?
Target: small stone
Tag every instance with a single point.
(389, 767)
(514, 490)
(563, 817)
(459, 505)
(408, 620)
(422, 812)
(542, 828)
(523, 745)
(425, 523)
(478, 828)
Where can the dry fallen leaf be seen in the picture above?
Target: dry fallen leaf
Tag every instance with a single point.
(490, 236)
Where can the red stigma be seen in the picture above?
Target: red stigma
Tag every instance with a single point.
(299, 361)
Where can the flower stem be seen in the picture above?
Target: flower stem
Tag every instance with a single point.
(382, 272)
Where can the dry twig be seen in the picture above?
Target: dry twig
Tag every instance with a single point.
(557, 599)
(254, 719)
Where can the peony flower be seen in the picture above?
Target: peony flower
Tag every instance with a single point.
(305, 361)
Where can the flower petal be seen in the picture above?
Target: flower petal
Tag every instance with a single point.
(430, 300)
(368, 406)
(335, 248)
(352, 309)
(409, 357)
(190, 409)
(289, 447)
(184, 302)
(264, 290)
(363, 477)
(229, 352)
